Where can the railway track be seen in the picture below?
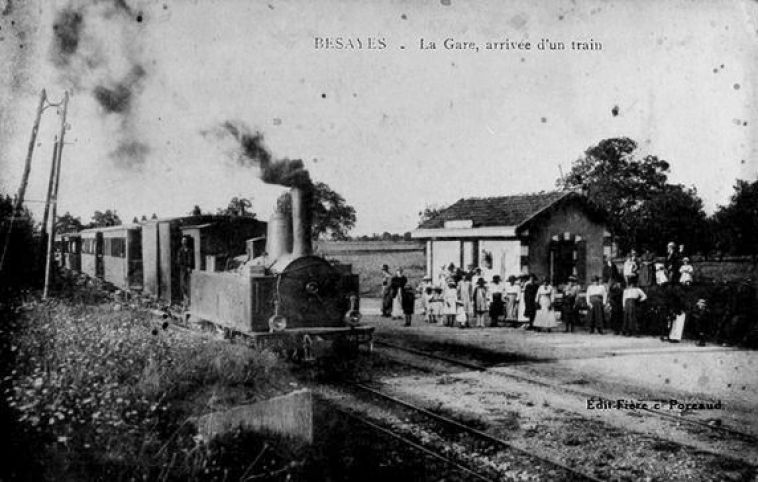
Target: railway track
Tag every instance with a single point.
(473, 474)
(650, 411)
(475, 440)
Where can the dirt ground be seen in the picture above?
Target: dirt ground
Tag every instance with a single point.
(540, 386)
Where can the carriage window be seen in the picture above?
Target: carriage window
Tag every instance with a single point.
(115, 247)
(88, 246)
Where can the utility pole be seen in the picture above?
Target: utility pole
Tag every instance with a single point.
(48, 264)
(28, 164)
(24, 177)
(50, 185)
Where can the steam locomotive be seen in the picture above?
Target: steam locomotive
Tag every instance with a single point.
(253, 278)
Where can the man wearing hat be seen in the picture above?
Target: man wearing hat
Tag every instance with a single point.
(386, 292)
(530, 299)
(479, 300)
(569, 309)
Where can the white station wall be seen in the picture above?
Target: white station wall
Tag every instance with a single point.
(506, 258)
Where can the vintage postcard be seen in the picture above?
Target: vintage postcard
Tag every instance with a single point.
(379, 239)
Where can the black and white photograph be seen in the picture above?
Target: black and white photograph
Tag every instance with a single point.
(372, 240)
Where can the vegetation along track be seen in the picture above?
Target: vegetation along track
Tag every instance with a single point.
(651, 411)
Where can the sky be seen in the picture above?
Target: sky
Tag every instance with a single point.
(392, 129)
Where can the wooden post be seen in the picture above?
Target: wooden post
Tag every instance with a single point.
(28, 164)
(51, 182)
(24, 177)
(48, 263)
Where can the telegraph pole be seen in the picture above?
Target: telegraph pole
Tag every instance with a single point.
(28, 164)
(53, 211)
(24, 177)
(50, 185)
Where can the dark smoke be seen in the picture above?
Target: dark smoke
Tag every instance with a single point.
(131, 152)
(285, 172)
(118, 98)
(66, 31)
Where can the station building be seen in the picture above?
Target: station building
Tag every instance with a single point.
(551, 234)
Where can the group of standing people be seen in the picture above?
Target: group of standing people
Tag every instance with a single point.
(675, 269)
(467, 299)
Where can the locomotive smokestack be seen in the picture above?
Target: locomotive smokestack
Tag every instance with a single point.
(301, 220)
(279, 235)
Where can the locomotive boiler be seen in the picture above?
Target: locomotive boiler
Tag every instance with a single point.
(287, 290)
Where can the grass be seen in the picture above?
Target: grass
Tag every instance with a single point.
(95, 393)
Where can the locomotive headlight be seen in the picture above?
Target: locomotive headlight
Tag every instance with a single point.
(277, 323)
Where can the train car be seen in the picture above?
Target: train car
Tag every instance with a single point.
(209, 236)
(72, 256)
(113, 254)
(285, 292)
(92, 253)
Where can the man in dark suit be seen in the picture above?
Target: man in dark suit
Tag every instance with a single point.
(673, 263)
(386, 291)
(530, 299)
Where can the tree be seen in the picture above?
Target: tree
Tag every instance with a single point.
(68, 223)
(736, 225)
(429, 211)
(238, 206)
(332, 217)
(196, 211)
(103, 219)
(618, 182)
(674, 213)
(20, 262)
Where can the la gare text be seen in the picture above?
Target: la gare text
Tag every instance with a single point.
(508, 44)
(381, 43)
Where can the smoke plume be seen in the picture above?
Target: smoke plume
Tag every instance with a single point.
(88, 60)
(118, 97)
(66, 31)
(252, 153)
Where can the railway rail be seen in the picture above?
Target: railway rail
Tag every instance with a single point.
(568, 473)
(650, 411)
(418, 447)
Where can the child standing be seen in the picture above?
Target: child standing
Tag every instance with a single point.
(436, 304)
(479, 300)
(428, 296)
(409, 299)
(450, 299)
(686, 272)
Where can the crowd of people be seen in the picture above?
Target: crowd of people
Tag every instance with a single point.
(611, 301)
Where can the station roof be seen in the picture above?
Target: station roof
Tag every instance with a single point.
(512, 211)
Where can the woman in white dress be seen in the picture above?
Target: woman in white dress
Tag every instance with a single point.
(545, 318)
(522, 318)
(512, 292)
(450, 300)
